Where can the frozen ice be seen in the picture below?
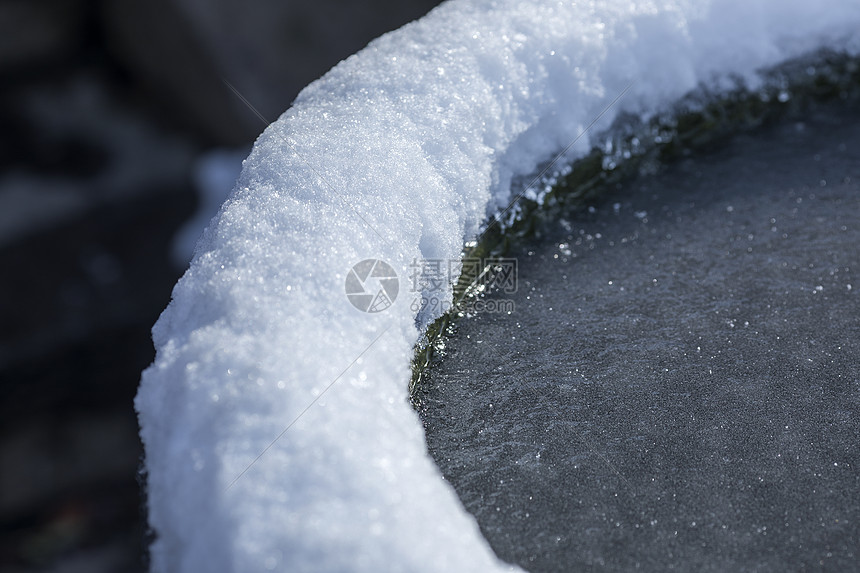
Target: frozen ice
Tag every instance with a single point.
(275, 418)
(698, 369)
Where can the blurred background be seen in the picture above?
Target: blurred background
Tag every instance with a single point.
(118, 140)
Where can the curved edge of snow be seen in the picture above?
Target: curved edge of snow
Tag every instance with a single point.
(275, 417)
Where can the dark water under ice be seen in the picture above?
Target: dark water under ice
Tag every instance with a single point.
(678, 387)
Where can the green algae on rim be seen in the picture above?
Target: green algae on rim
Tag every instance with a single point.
(700, 120)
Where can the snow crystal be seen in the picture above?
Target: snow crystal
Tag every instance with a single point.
(275, 417)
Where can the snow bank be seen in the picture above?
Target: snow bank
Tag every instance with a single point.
(396, 154)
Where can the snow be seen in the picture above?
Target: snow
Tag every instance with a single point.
(275, 417)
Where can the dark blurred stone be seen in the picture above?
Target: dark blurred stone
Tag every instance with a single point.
(161, 48)
(268, 50)
(89, 530)
(25, 147)
(80, 300)
(92, 191)
(35, 31)
(71, 143)
(106, 270)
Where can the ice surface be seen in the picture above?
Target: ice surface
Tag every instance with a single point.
(397, 154)
(678, 385)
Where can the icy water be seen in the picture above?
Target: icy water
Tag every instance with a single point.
(678, 387)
